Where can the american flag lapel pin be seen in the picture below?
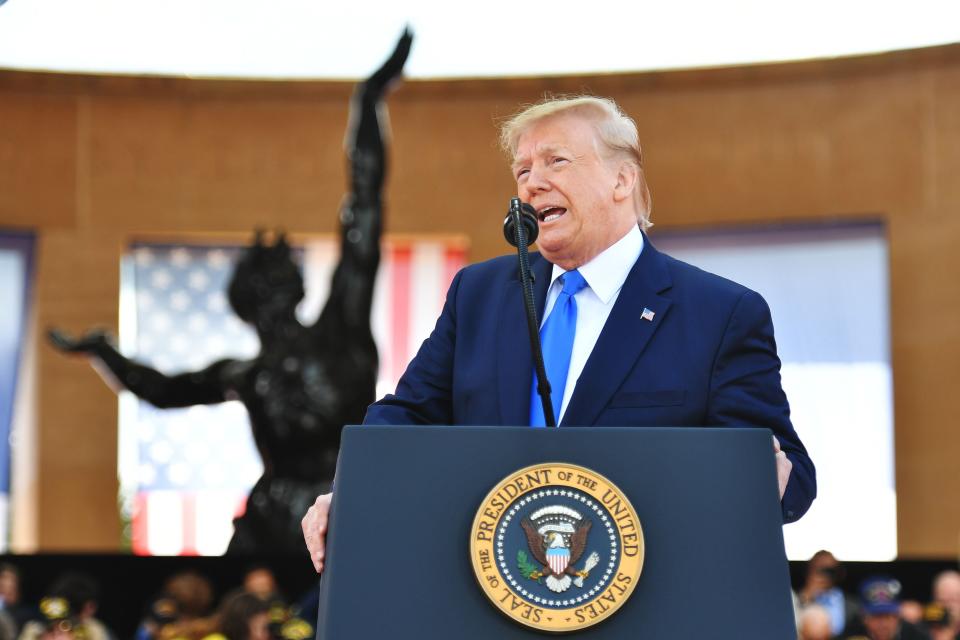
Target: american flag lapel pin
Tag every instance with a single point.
(647, 314)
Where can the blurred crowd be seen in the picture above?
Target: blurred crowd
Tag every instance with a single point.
(182, 610)
(876, 609)
(828, 607)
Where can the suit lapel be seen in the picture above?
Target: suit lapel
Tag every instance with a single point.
(514, 359)
(624, 337)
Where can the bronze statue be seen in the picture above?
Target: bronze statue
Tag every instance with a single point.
(306, 382)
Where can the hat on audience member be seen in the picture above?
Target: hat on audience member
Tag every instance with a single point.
(57, 615)
(163, 610)
(880, 595)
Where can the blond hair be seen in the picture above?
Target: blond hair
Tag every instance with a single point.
(615, 130)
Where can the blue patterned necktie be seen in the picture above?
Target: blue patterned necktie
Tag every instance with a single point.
(556, 336)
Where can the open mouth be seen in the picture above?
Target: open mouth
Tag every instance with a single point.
(549, 214)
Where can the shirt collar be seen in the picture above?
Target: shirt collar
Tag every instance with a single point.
(607, 272)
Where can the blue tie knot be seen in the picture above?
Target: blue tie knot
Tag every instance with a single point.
(573, 282)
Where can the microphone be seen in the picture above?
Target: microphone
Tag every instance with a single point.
(528, 218)
(520, 229)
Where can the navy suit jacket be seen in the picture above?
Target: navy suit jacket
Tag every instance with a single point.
(707, 358)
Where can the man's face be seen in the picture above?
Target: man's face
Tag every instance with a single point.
(582, 204)
(822, 571)
(946, 591)
(815, 625)
(260, 583)
(882, 626)
(9, 587)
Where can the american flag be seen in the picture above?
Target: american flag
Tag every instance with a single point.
(185, 473)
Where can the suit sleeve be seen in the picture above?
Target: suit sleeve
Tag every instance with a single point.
(424, 393)
(745, 390)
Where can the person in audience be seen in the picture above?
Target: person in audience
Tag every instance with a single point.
(821, 587)
(946, 591)
(10, 602)
(285, 621)
(261, 582)
(68, 610)
(814, 624)
(82, 592)
(12, 612)
(57, 622)
(160, 612)
(192, 593)
(9, 585)
(880, 612)
(242, 616)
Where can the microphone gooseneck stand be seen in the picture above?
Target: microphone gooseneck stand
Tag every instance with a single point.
(520, 229)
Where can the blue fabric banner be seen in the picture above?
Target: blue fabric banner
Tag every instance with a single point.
(16, 262)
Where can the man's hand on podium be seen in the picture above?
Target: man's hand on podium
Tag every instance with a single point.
(314, 526)
(783, 469)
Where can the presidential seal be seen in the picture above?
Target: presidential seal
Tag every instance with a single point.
(556, 547)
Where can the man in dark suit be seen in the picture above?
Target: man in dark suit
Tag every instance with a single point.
(650, 340)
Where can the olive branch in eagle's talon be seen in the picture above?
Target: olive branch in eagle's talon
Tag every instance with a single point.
(527, 569)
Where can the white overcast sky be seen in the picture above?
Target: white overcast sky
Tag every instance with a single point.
(347, 39)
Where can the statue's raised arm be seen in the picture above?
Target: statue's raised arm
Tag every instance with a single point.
(390, 70)
(361, 215)
(368, 126)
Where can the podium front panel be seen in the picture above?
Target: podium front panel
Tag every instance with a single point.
(399, 567)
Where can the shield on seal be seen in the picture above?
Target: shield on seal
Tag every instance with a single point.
(557, 558)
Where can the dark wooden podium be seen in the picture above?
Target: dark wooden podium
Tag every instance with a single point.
(398, 564)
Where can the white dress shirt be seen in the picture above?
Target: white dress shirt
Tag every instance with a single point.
(605, 276)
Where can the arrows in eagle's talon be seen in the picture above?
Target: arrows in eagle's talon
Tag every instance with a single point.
(591, 562)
